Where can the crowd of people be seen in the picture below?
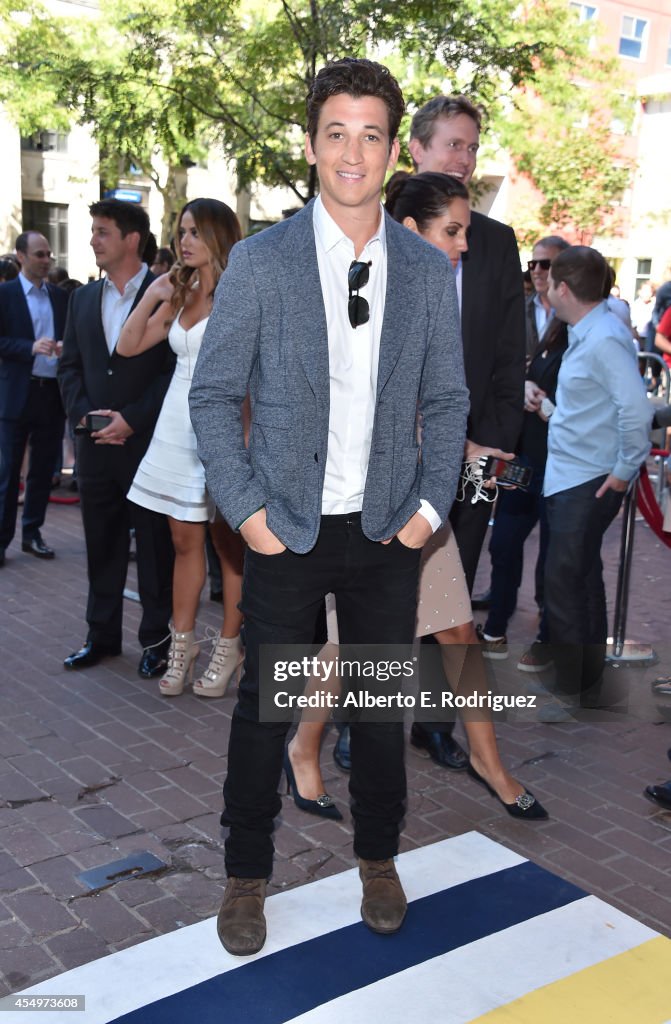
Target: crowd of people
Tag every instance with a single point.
(319, 401)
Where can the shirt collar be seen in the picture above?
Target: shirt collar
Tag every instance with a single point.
(331, 235)
(28, 286)
(131, 286)
(580, 330)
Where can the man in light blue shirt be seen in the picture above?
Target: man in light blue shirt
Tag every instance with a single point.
(598, 439)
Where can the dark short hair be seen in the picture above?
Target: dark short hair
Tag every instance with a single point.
(423, 124)
(8, 270)
(165, 255)
(553, 242)
(357, 77)
(583, 270)
(128, 217)
(421, 196)
(21, 244)
(150, 249)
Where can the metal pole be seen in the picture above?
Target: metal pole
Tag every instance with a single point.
(619, 649)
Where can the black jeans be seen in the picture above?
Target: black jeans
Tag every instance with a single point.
(375, 586)
(575, 597)
(517, 512)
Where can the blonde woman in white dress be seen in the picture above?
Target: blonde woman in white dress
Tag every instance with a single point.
(171, 478)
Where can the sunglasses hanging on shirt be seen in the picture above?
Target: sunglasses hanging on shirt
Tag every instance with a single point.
(357, 307)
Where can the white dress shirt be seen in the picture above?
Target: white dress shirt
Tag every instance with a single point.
(353, 362)
(116, 307)
(42, 316)
(353, 359)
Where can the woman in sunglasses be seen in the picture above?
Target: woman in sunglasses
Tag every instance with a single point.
(436, 207)
(171, 479)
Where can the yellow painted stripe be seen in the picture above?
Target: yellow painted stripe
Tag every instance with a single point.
(631, 987)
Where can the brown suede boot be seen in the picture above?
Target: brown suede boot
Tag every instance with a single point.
(241, 926)
(384, 904)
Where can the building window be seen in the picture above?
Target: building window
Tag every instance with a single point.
(643, 272)
(584, 12)
(45, 142)
(51, 220)
(633, 37)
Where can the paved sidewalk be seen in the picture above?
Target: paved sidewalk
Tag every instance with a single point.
(96, 765)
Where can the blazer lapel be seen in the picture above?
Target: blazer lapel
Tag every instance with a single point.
(298, 277)
(25, 327)
(400, 286)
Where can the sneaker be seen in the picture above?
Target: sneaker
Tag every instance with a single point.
(537, 659)
(495, 650)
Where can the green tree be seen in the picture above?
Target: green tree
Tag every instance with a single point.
(161, 78)
(559, 130)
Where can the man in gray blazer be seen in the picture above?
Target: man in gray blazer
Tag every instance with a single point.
(342, 325)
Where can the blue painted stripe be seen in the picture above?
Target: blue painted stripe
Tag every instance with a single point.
(282, 985)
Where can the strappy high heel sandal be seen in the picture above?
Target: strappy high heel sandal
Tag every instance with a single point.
(225, 663)
(182, 654)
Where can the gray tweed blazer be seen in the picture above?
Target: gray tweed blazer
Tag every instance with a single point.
(267, 335)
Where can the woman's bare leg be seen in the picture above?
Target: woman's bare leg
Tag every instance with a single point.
(465, 671)
(189, 572)
(304, 747)
(230, 549)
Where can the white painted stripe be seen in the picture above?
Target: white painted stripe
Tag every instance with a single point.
(473, 979)
(134, 977)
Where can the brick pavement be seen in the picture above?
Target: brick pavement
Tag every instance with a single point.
(95, 766)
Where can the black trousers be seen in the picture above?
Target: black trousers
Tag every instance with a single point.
(575, 597)
(375, 586)
(105, 473)
(40, 426)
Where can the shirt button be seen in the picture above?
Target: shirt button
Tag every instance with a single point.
(110, 372)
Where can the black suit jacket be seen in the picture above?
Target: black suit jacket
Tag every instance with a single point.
(493, 330)
(16, 343)
(91, 378)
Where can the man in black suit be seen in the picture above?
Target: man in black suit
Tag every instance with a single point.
(32, 319)
(130, 392)
(444, 137)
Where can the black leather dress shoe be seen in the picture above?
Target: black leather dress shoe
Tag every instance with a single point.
(154, 661)
(341, 754)
(440, 746)
(90, 654)
(660, 795)
(36, 546)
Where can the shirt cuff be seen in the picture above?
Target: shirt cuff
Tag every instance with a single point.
(430, 514)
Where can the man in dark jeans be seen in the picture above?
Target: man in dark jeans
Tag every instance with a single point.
(598, 438)
(341, 324)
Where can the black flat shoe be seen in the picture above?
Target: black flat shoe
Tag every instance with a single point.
(524, 806)
(341, 753)
(441, 747)
(323, 806)
(660, 795)
(90, 654)
(36, 546)
(154, 661)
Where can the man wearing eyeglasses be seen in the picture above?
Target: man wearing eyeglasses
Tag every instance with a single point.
(32, 320)
(341, 324)
(445, 138)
